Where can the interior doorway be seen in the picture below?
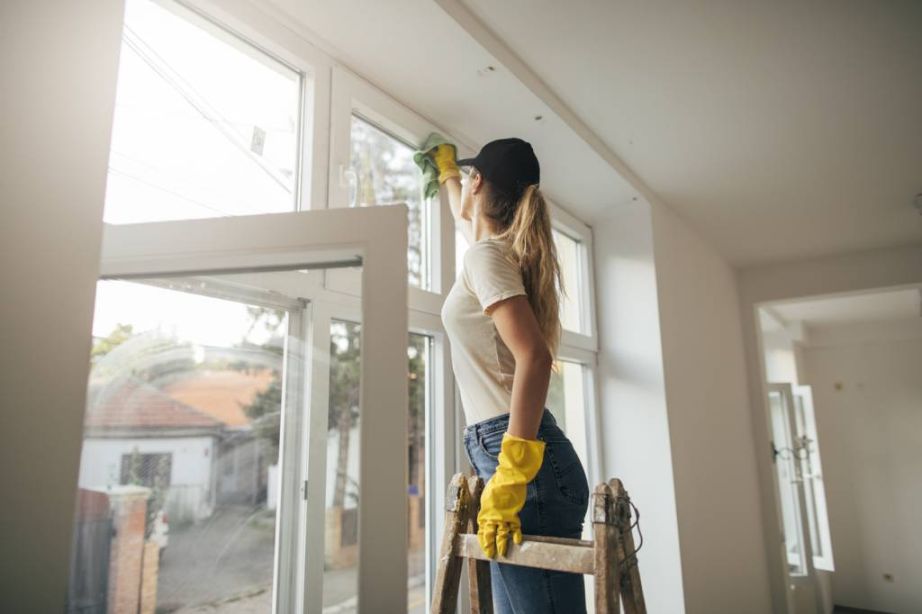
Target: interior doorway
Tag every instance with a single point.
(842, 386)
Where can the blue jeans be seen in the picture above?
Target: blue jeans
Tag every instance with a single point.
(556, 502)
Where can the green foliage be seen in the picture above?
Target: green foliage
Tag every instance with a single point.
(149, 356)
(386, 174)
(265, 410)
(158, 484)
(134, 468)
(417, 355)
(265, 413)
(119, 335)
(345, 355)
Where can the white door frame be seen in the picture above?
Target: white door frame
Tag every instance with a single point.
(376, 239)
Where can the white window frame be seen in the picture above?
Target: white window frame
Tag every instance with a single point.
(805, 419)
(583, 347)
(375, 238)
(569, 225)
(353, 96)
(243, 20)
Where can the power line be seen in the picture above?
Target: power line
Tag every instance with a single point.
(167, 190)
(162, 68)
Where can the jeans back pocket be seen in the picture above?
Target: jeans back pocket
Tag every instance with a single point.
(568, 471)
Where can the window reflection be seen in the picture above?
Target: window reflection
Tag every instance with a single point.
(205, 124)
(384, 173)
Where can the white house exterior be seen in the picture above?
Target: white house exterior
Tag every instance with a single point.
(191, 494)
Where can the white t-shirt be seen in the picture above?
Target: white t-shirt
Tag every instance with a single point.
(483, 364)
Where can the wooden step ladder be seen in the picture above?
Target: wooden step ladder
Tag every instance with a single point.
(610, 556)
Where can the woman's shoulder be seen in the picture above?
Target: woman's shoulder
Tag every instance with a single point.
(491, 257)
(491, 241)
(489, 248)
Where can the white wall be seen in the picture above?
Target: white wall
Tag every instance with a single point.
(191, 459)
(720, 523)
(871, 436)
(859, 271)
(780, 355)
(190, 496)
(58, 66)
(634, 421)
(674, 412)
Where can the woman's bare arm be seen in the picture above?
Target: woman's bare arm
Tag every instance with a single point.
(462, 218)
(515, 321)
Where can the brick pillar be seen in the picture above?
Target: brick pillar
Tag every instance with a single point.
(129, 514)
(338, 556)
(149, 572)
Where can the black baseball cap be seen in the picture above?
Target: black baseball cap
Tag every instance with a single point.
(509, 164)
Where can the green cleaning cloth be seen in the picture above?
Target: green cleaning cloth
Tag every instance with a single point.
(427, 165)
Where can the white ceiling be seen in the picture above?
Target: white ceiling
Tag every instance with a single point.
(875, 307)
(779, 130)
(415, 52)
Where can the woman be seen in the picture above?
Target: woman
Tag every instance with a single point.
(502, 320)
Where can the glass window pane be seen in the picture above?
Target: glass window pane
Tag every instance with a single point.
(385, 173)
(811, 466)
(178, 494)
(568, 254)
(340, 578)
(567, 402)
(787, 484)
(418, 352)
(343, 488)
(205, 124)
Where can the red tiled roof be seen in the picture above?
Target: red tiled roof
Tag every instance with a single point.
(221, 394)
(132, 403)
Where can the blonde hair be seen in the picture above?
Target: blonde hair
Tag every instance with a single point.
(527, 225)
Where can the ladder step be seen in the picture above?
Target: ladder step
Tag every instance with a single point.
(558, 554)
(610, 556)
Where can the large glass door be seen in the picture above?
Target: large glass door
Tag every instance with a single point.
(194, 385)
(790, 449)
(812, 474)
(218, 467)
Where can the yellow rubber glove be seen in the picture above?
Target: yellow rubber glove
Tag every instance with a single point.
(504, 494)
(444, 156)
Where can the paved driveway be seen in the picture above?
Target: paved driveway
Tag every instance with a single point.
(230, 555)
(225, 564)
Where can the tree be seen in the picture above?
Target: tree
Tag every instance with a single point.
(157, 481)
(265, 411)
(416, 375)
(102, 346)
(149, 356)
(385, 173)
(344, 395)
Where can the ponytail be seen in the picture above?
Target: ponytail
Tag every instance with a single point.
(536, 254)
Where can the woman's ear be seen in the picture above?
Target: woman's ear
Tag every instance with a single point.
(476, 183)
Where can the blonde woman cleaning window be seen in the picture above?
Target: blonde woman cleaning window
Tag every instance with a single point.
(502, 321)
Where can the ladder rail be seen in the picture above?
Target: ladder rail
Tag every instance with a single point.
(533, 553)
(610, 556)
